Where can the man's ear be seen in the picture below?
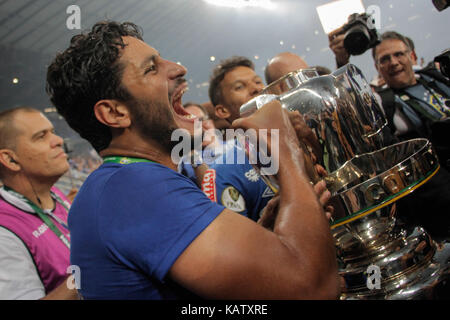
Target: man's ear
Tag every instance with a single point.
(413, 57)
(222, 112)
(8, 160)
(112, 113)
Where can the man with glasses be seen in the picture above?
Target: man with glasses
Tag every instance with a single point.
(209, 137)
(414, 102)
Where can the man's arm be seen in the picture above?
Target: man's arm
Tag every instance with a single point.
(235, 258)
(62, 292)
(19, 278)
(336, 43)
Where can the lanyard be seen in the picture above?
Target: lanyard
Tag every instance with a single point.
(43, 216)
(124, 160)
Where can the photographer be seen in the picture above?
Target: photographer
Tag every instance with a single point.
(414, 103)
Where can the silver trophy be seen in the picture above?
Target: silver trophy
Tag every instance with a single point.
(367, 174)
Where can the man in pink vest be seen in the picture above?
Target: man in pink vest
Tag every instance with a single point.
(34, 239)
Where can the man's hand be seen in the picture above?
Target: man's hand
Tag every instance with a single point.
(72, 193)
(301, 128)
(62, 292)
(324, 197)
(269, 213)
(273, 116)
(336, 43)
(305, 134)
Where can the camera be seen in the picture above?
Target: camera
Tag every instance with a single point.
(444, 62)
(360, 34)
(441, 4)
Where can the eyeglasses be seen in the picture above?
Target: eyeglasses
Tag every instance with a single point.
(399, 55)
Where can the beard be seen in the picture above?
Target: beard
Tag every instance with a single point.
(154, 121)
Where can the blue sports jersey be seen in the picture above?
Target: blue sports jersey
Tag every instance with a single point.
(128, 225)
(237, 187)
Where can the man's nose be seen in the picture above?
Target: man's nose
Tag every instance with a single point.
(57, 141)
(393, 59)
(176, 70)
(255, 89)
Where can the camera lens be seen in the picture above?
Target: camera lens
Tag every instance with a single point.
(444, 62)
(357, 40)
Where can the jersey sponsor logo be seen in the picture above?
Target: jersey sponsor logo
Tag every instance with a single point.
(252, 175)
(232, 199)
(209, 184)
(268, 193)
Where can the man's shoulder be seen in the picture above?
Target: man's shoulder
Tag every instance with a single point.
(132, 173)
(134, 179)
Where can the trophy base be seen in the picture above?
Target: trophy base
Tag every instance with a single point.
(409, 267)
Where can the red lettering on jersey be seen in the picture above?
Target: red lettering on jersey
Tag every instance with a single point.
(209, 184)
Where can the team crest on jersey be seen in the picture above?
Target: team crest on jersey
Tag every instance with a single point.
(232, 199)
(209, 184)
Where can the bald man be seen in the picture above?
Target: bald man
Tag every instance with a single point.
(277, 67)
(282, 64)
(34, 236)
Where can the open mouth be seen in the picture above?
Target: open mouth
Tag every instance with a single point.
(177, 104)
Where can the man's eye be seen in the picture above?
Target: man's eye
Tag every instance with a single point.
(384, 59)
(150, 69)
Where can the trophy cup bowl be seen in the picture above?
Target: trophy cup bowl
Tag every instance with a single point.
(367, 174)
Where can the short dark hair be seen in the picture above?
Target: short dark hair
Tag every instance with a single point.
(219, 72)
(8, 131)
(87, 72)
(410, 43)
(392, 35)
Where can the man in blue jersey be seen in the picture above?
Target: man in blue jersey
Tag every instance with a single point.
(238, 186)
(141, 230)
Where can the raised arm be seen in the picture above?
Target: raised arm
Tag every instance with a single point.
(336, 43)
(235, 258)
